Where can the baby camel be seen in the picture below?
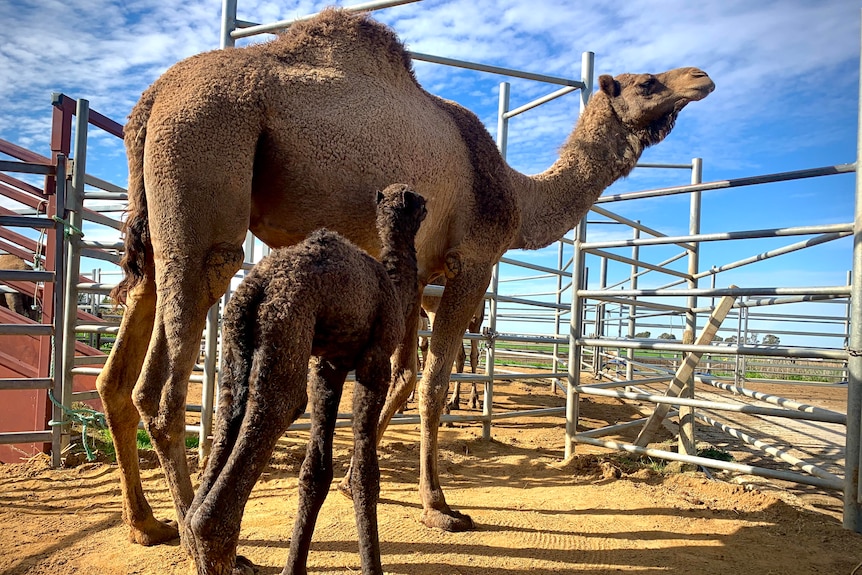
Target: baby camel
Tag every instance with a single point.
(325, 300)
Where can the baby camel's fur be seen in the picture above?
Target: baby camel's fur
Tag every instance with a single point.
(323, 299)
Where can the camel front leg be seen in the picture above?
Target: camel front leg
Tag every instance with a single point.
(115, 385)
(368, 397)
(402, 384)
(460, 298)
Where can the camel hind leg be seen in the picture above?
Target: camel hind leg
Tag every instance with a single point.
(325, 385)
(115, 385)
(246, 440)
(186, 290)
(199, 205)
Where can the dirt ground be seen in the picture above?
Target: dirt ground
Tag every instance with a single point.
(534, 513)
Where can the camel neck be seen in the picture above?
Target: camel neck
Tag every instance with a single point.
(398, 256)
(598, 152)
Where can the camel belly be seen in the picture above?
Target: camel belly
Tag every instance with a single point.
(329, 176)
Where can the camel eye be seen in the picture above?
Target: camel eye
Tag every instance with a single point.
(647, 84)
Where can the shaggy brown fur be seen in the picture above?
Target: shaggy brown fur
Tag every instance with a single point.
(294, 135)
(327, 299)
(20, 303)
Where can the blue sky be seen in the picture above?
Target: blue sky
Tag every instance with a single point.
(787, 76)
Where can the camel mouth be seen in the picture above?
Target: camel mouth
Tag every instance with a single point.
(704, 87)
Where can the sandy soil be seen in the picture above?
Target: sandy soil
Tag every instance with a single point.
(594, 514)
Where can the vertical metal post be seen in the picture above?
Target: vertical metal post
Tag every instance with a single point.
(853, 446)
(687, 439)
(576, 330)
(633, 310)
(743, 340)
(600, 316)
(74, 209)
(488, 395)
(503, 120)
(490, 354)
(208, 388)
(228, 23)
(847, 312)
(576, 327)
(737, 358)
(588, 63)
(57, 315)
(557, 313)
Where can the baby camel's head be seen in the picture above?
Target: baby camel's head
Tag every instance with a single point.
(400, 212)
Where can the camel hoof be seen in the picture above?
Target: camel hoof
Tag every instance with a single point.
(450, 520)
(244, 567)
(153, 532)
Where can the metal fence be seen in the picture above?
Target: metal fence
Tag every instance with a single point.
(591, 325)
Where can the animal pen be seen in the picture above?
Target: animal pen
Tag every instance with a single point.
(586, 314)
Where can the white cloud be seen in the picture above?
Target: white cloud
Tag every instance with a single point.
(786, 74)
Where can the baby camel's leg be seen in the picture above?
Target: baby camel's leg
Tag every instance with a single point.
(277, 397)
(325, 384)
(372, 381)
(402, 383)
(229, 417)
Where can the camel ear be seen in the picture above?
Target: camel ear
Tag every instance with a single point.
(609, 86)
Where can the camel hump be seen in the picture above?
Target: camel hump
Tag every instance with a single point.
(346, 41)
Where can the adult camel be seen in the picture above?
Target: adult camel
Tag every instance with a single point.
(289, 136)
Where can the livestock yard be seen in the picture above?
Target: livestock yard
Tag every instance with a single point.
(597, 513)
(673, 428)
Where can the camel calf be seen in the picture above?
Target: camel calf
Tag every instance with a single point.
(326, 301)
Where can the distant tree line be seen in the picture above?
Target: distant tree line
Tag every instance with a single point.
(753, 339)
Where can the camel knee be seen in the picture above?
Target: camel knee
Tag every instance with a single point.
(453, 264)
(146, 402)
(162, 430)
(367, 463)
(316, 474)
(403, 385)
(432, 398)
(118, 402)
(220, 265)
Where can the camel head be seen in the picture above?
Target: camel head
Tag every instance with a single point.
(400, 207)
(648, 104)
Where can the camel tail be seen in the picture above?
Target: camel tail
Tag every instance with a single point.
(238, 339)
(136, 229)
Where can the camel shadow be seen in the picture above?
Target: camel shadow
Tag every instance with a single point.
(495, 548)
